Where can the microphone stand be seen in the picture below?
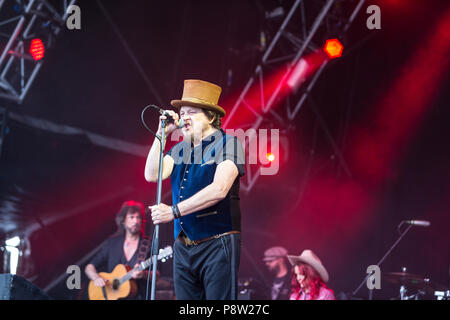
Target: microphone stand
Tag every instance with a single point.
(382, 259)
(158, 201)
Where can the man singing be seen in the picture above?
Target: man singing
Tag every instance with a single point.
(204, 170)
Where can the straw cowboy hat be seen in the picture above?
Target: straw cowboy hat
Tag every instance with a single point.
(311, 259)
(200, 94)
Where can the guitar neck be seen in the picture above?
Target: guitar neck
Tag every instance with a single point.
(166, 252)
(143, 265)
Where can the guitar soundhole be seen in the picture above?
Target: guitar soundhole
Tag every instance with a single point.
(115, 284)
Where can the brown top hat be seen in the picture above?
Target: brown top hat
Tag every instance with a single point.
(200, 94)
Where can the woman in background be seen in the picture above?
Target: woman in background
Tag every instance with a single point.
(309, 277)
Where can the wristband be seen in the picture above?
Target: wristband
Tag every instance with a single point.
(176, 212)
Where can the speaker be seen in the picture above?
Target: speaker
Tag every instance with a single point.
(13, 287)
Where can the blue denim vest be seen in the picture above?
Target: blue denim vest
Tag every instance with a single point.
(193, 170)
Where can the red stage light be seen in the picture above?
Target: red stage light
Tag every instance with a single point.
(37, 49)
(304, 68)
(333, 48)
(270, 156)
(299, 74)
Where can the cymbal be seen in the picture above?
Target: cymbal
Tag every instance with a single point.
(412, 280)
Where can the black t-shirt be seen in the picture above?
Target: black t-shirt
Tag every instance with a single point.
(281, 287)
(112, 254)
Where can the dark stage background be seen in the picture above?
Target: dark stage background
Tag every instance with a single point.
(385, 103)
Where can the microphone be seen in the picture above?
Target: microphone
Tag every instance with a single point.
(420, 223)
(170, 119)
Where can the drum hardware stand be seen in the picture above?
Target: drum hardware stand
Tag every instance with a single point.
(416, 296)
(403, 291)
(442, 295)
(382, 259)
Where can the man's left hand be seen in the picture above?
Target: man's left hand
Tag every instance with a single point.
(137, 274)
(161, 213)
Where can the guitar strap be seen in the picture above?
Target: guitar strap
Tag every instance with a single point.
(143, 250)
(104, 293)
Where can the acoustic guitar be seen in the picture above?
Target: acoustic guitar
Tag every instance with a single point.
(120, 284)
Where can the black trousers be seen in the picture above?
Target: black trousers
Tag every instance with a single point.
(208, 270)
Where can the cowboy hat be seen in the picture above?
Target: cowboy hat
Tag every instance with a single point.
(311, 259)
(200, 94)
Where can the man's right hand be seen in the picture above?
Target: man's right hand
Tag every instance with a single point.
(170, 127)
(100, 282)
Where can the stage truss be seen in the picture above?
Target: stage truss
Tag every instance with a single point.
(21, 21)
(302, 36)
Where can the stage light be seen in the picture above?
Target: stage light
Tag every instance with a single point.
(333, 48)
(270, 156)
(299, 74)
(276, 13)
(37, 49)
(11, 246)
(13, 242)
